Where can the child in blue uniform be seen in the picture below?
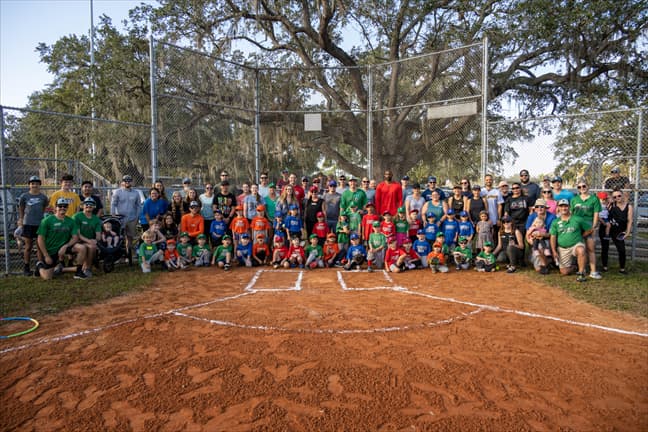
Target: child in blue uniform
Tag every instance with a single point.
(244, 251)
(422, 247)
(450, 228)
(356, 254)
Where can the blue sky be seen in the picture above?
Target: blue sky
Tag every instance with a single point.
(26, 23)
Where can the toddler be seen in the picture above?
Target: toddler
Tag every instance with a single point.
(437, 259)
(484, 230)
(279, 252)
(604, 214)
(149, 253)
(376, 244)
(296, 254)
(172, 258)
(462, 254)
(314, 253)
(356, 255)
(201, 252)
(260, 251)
(223, 254)
(331, 250)
(485, 260)
(109, 238)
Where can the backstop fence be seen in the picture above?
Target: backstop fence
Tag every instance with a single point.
(420, 116)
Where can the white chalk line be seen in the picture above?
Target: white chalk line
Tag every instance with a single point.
(330, 331)
(529, 314)
(345, 287)
(250, 290)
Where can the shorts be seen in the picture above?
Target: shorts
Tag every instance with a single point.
(395, 267)
(55, 261)
(566, 255)
(30, 231)
(130, 228)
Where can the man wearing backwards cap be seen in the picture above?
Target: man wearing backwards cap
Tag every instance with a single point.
(567, 241)
(126, 203)
(616, 180)
(31, 210)
(558, 192)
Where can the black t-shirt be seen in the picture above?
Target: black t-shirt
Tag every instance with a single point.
(518, 209)
(225, 203)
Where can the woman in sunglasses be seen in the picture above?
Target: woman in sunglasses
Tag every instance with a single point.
(620, 217)
(587, 206)
(547, 195)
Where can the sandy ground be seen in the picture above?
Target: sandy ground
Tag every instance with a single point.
(324, 350)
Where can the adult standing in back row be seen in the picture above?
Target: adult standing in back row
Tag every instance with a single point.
(126, 203)
(389, 195)
(31, 210)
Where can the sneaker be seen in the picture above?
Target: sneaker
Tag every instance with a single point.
(511, 269)
(481, 269)
(226, 267)
(312, 265)
(275, 266)
(27, 271)
(58, 269)
(370, 269)
(580, 277)
(604, 269)
(544, 270)
(596, 275)
(80, 275)
(458, 268)
(87, 273)
(623, 271)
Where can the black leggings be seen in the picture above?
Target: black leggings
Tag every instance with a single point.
(605, 248)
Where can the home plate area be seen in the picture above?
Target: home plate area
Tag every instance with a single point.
(327, 302)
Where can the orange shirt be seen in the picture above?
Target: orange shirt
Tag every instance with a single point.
(240, 225)
(330, 250)
(436, 255)
(192, 224)
(256, 248)
(260, 224)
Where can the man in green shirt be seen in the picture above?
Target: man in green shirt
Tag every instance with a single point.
(352, 196)
(89, 227)
(567, 241)
(58, 236)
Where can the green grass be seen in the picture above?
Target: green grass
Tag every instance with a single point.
(627, 293)
(34, 297)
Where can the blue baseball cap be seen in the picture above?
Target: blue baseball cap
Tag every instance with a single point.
(354, 236)
(432, 179)
(420, 232)
(450, 212)
(293, 207)
(463, 213)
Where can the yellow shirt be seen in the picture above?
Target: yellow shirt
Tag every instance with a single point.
(72, 198)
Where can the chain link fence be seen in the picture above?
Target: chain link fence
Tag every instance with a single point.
(580, 146)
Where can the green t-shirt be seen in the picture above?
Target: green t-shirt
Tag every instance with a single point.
(88, 227)
(489, 257)
(316, 248)
(568, 232)
(355, 219)
(342, 236)
(402, 226)
(182, 249)
(359, 198)
(585, 208)
(221, 252)
(197, 250)
(56, 232)
(146, 251)
(377, 239)
(467, 251)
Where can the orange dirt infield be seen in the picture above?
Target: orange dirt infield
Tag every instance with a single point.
(322, 351)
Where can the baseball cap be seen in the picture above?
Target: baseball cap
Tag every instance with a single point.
(89, 201)
(370, 204)
(602, 195)
(313, 189)
(405, 177)
(563, 202)
(354, 236)
(245, 235)
(272, 186)
(171, 241)
(546, 178)
(186, 180)
(260, 207)
(312, 236)
(227, 237)
(556, 179)
(401, 209)
(450, 212)
(319, 214)
(440, 234)
(502, 183)
(615, 170)
(260, 236)
(304, 179)
(330, 235)
(285, 170)
(431, 179)
(353, 179)
(462, 239)
(34, 179)
(278, 239)
(414, 211)
(219, 211)
(62, 202)
(407, 240)
(540, 203)
(476, 187)
(463, 213)
(184, 234)
(376, 223)
(201, 236)
(437, 245)
(332, 183)
(386, 212)
(127, 178)
(391, 239)
(238, 207)
(194, 204)
(419, 232)
(487, 243)
(431, 214)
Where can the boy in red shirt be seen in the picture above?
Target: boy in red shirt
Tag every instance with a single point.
(331, 250)
(260, 251)
(279, 252)
(394, 257)
(320, 229)
(296, 254)
(367, 222)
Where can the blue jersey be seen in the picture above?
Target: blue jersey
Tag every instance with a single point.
(421, 247)
(355, 251)
(218, 228)
(431, 230)
(245, 250)
(450, 229)
(293, 224)
(466, 229)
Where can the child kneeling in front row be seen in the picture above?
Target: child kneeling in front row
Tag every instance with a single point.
(222, 256)
(485, 260)
(149, 253)
(172, 257)
(437, 259)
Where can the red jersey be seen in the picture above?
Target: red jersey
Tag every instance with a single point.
(320, 229)
(282, 252)
(392, 255)
(171, 254)
(296, 250)
(389, 196)
(367, 224)
(388, 228)
(414, 226)
(239, 225)
(412, 255)
(258, 247)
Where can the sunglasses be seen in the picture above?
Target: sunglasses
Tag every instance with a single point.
(209, 187)
(515, 188)
(62, 206)
(365, 181)
(546, 191)
(616, 196)
(464, 182)
(264, 177)
(540, 207)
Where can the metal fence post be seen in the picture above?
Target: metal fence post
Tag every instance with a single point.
(637, 184)
(5, 206)
(484, 125)
(369, 123)
(257, 126)
(154, 140)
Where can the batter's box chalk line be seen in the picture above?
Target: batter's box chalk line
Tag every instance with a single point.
(388, 278)
(297, 287)
(249, 290)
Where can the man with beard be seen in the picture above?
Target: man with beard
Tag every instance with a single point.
(389, 195)
(225, 201)
(529, 188)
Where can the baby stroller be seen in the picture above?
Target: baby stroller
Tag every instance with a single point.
(112, 251)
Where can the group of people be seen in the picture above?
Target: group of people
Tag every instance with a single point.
(327, 221)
